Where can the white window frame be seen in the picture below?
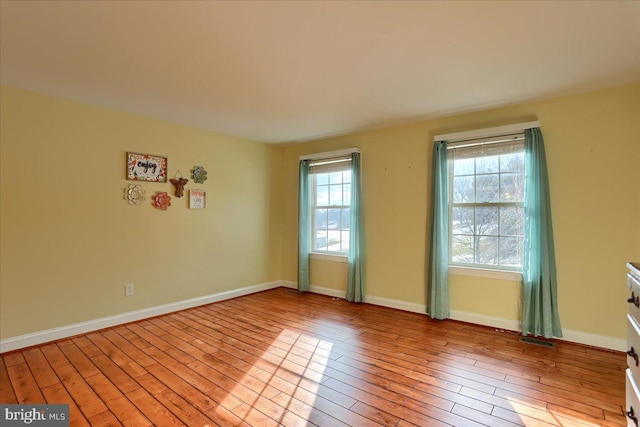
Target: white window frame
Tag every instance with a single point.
(476, 205)
(313, 252)
(461, 138)
(313, 207)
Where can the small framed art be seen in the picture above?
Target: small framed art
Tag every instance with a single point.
(197, 199)
(145, 167)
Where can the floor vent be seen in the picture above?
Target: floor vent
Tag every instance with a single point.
(537, 341)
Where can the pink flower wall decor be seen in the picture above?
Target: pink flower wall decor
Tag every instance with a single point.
(161, 200)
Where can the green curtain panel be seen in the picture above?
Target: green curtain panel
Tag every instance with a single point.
(540, 296)
(438, 274)
(355, 275)
(304, 231)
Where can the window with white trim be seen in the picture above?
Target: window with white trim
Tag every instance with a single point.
(330, 193)
(486, 203)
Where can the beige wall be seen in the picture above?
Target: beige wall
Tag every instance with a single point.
(593, 152)
(70, 242)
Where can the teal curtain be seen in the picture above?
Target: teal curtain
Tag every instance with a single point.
(438, 274)
(540, 296)
(304, 231)
(355, 274)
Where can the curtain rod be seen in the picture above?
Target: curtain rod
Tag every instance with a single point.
(330, 154)
(485, 141)
(482, 133)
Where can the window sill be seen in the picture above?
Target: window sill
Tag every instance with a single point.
(512, 276)
(329, 257)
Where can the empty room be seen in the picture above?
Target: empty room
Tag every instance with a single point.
(319, 213)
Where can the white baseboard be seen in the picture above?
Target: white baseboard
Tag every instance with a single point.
(610, 343)
(601, 341)
(289, 284)
(569, 335)
(397, 304)
(22, 341)
(48, 335)
(481, 319)
(328, 291)
(316, 289)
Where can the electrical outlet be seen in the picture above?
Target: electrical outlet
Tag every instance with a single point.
(128, 290)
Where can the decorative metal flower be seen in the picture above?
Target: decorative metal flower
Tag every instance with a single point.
(199, 175)
(134, 194)
(161, 200)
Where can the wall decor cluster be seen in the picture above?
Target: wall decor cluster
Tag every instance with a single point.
(145, 167)
(134, 194)
(199, 175)
(161, 200)
(150, 168)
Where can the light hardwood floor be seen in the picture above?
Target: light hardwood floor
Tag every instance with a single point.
(283, 358)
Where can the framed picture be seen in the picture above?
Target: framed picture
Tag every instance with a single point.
(197, 199)
(145, 167)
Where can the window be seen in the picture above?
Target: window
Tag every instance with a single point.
(330, 193)
(486, 198)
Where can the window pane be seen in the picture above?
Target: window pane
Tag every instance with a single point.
(346, 218)
(322, 195)
(334, 219)
(488, 188)
(321, 219)
(322, 178)
(463, 166)
(335, 195)
(512, 162)
(464, 189)
(333, 242)
(346, 176)
(462, 249)
(345, 240)
(487, 250)
(511, 251)
(519, 194)
(511, 221)
(507, 187)
(462, 221)
(488, 164)
(487, 221)
(346, 194)
(321, 240)
(335, 178)
(511, 187)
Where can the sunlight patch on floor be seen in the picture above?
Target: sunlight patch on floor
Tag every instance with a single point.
(531, 414)
(288, 374)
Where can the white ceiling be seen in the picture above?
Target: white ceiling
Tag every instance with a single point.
(285, 71)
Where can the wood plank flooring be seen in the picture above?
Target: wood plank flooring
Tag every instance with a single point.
(283, 358)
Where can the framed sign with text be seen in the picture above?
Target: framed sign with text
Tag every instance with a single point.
(145, 167)
(197, 199)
